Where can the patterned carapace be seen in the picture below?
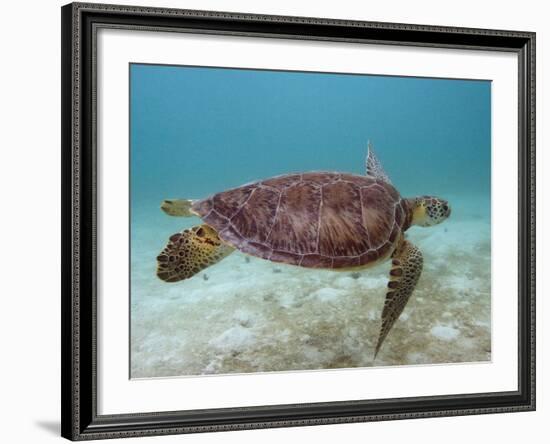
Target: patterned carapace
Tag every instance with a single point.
(316, 220)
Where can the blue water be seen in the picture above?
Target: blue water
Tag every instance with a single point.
(196, 131)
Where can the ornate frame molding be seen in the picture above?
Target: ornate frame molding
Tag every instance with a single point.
(80, 22)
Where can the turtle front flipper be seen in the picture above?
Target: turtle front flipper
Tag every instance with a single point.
(190, 252)
(406, 268)
(374, 167)
(177, 207)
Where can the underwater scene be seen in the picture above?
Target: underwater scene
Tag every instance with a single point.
(361, 263)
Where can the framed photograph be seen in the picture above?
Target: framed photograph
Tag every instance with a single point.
(280, 221)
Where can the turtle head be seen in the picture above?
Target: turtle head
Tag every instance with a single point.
(429, 210)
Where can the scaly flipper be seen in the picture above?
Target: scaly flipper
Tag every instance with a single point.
(374, 167)
(189, 252)
(177, 207)
(406, 268)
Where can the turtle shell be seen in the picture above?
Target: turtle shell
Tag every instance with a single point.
(315, 220)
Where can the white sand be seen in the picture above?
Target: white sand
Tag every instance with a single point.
(249, 315)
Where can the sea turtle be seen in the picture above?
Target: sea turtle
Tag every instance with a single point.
(326, 220)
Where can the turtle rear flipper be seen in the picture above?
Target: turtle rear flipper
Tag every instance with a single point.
(406, 268)
(178, 207)
(190, 252)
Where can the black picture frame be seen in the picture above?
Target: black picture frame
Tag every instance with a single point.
(80, 420)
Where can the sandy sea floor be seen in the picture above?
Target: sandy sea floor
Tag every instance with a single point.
(249, 315)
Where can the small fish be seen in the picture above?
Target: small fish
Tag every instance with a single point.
(205, 277)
